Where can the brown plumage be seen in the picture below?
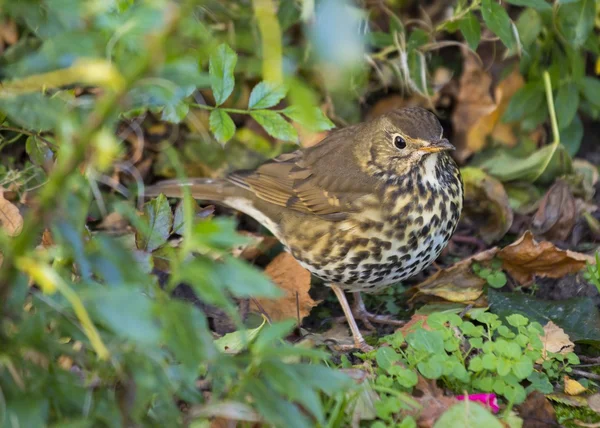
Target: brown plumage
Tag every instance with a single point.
(368, 206)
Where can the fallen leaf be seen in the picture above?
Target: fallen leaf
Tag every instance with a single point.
(457, 283)
(572, 387)
(486, 204)
(294, 280)
(536, 411)
(526, 258)
(415, 321)
(555, 340)
(557, 213)
(568, 400)
(10, 217)
(479, 107)
(433, 401)
(588, 173)
(394, 101)
(594, 402)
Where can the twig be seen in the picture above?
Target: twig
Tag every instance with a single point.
(586, 375)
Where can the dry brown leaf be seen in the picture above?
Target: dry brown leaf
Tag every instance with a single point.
(415, 320)
(555, 340)
(477, 113)
(10, 217)
(486, 204)
(537, 411)
(394, 102)
(526, 258)
(9, 32)
(433, 401)
(557, 213)
(594, 402)
(457, 283)
(294, 280)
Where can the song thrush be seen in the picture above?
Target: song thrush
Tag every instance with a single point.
(370, 205)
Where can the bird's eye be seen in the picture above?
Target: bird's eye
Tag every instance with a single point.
(399, 142)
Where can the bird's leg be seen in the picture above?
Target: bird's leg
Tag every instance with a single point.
(360, 311)
(359, 341)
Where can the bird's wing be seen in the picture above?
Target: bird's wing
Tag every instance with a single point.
(323, 180)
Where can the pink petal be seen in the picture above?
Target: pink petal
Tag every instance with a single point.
(487, 399)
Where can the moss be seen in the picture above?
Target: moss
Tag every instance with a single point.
(566, 415)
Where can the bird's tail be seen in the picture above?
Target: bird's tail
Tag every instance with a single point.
(201, 188)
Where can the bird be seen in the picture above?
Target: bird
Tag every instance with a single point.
(368, 206)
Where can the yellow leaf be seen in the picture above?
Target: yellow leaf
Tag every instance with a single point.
(572, 387)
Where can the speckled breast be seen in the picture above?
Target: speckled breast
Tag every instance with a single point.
(392, 236)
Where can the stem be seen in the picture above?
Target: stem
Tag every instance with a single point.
(553, 122)
(232, 110)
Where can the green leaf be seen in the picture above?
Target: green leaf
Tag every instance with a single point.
(506, 167)
(540, 382)
(126, 311)
(35, 112)
(471, 30)
(323, 378)
(38, 151)
(467, 414)
(590, 89)
(496, 279)
(266, 94)
(275, 125)
(566, 104)
(529, 26)
(498, 21)
(534, 4)
(386, 357)
(576, 21)
(431, 342)
(221, 125)
(527, 99)
(517, 320)
(522, 367)
(175, 112)
(221, 66)
(572, 135)
(578, 317)
(159, 219)
(236, 342)
(185, 331)
(311, 118)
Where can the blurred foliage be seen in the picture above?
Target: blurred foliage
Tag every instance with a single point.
(89, 336)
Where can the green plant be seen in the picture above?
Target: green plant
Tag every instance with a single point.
(592, 272)
(493, 274)
(482, 355)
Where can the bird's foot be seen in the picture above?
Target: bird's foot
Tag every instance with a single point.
(359, 344)
(368, 319)
(360, 312)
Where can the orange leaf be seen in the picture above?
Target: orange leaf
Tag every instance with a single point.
(294, 280)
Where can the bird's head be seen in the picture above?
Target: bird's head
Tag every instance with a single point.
(397, 142)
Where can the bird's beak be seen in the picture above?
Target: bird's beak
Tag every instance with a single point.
(438, 146)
